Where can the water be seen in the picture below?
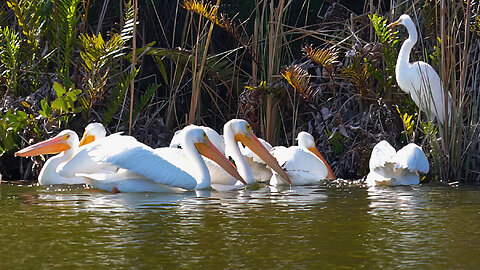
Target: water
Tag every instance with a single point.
(427, 226)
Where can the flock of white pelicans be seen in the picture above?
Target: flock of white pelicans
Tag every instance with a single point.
(197, 156)
(197, 159)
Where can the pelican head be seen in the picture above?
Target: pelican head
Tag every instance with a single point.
(64, 141)
(306, 140)
(243, 133)
(206, 148)
(93, 131)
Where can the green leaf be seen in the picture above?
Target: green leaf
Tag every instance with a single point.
(59, 89)
(59, 104)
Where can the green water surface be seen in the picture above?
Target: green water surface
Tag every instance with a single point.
(317, 227)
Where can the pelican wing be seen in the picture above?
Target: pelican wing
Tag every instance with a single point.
(412, 158)
(83, 161)
(126, 152)
(382, 154)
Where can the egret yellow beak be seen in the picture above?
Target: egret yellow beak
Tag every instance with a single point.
(393, 24)
(86, 139)
(331, 175)
(54, 145)
(252, 142)
(209, 150)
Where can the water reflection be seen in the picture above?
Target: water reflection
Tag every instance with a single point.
(327, 226)
(84, 199)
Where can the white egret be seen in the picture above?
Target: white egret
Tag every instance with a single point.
(389, 167)
(419, 79)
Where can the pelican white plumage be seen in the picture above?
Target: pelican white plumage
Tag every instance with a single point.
(303, 163)
(235, 132)
(157, 170)
(93, 131)
(419, 79)
(81, 162)
(389, 167)
(238, 130)
(67, 144)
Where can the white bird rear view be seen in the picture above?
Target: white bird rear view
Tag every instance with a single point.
(388, 167)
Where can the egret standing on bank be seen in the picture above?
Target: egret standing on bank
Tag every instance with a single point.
(419, 79)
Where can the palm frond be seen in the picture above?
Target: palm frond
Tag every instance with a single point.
(67, 19)
(9, 50)
(299, 79)
(209, 12)
(322, 57)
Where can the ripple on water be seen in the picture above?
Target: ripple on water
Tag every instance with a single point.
(339, 224)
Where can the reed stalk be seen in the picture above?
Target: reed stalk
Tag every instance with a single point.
(197, 77)
(132, 70)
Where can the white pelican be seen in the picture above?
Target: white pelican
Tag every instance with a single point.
(236, 131)
(388, 167)
(157, 170)
(81, 162)
(93, 131)
(67, 144)
(419, 79)
(303, 163)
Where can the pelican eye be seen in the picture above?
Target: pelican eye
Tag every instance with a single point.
(66, 137)
(248, 127)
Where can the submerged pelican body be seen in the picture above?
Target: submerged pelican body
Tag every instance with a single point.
(303, 163)
(389, 167)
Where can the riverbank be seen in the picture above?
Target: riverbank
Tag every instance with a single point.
(327, 70)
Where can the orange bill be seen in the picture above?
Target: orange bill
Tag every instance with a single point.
(252, 142)
(54, 145)
(393, 24)
(331, 175)
(209, 150)
(86, 139)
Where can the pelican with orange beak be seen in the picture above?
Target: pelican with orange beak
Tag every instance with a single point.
(144, 169)
(303, 163)
(66, 145)
(235, 131)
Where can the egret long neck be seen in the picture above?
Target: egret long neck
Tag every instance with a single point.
(203, 176)
(403, 60)
(232, 149)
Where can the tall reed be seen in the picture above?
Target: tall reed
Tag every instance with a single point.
(456, 142)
